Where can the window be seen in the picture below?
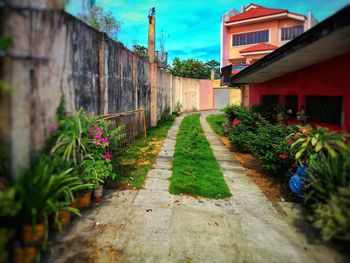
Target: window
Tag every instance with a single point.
(270, 100)
(291, 104)
(250, 38)
(325, 108)
(289, 33)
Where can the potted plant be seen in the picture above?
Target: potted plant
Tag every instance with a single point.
(9, 207)
(43, 193)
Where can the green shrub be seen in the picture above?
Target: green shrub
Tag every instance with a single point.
(241, 137)
(333, 217)
(327, 191)
(243, 124)
(326, 175)
(271, 147)
(265, 110)
(309, 143)
(178, 109)
(167, 116)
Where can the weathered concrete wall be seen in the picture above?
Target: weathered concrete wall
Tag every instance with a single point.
(164, 93)
(206, 99)
(55, 55)
(189, 92)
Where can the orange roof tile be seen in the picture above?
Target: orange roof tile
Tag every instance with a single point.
(258, 47)
(255, 12)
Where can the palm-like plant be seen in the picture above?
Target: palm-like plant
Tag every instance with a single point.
(309, 143)
(43, 193)
(70, 144)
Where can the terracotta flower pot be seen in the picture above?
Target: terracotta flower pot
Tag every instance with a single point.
(25, 255)
(64, 217)
(98, 194)
(85, 200)
(33, 235)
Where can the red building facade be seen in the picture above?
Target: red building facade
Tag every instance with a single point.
(311, 73)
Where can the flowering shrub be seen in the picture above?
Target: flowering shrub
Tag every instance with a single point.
(308, 143)
(102, 138)
(86, 144)
(271, 147)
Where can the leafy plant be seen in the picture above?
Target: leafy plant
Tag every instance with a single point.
(326, 175)
(177, 109)
(9, 206)
(333, 217)
(309, 143)
(271, 147)
(70, 144)
(166, 115)
(43, 193)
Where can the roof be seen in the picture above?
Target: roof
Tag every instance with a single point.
(328, 39)
(255, 11)
(259, 47)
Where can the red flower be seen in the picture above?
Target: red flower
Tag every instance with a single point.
(236, 122)
(107, 156)
(290, 141)
(283, 156)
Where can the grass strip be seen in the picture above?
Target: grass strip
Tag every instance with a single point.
(215, 121)
(195, 169)
(133, 163)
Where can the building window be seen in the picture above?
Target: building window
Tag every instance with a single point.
(291, 104)
(289, 33)
(325, 108)
(250, 38)
(270, 100)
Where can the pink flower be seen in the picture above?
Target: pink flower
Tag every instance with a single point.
(105, 140)
(283, 156)
(54, 127)
(111, 137)
(107, 156)
(98, 137)
(96, 143)
(236, 122)
(99, 130)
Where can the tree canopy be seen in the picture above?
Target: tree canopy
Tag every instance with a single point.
(193, 68)
(102, 21)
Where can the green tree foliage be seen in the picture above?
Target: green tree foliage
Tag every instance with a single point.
(192, 68)
(140, 50)
(102, 21)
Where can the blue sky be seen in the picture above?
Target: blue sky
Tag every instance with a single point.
(192, 28)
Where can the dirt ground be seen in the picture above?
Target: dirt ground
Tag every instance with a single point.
(274, 188)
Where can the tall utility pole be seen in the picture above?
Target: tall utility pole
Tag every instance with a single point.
(153, 65)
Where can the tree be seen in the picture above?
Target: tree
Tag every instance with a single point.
(140, 50)
(102, 21)
(192, 68)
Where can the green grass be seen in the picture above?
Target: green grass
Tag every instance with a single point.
(132, 163)
(216, 121)
(195, 170)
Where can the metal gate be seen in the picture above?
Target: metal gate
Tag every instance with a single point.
(221, 98)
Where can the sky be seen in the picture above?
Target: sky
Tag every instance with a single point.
(192, 27)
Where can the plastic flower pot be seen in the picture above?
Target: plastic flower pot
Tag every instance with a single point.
(64, 218)
(25, 255)
(85, 200)
(33, 235)
(98, 194)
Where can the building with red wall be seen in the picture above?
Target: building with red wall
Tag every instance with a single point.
(310, 73)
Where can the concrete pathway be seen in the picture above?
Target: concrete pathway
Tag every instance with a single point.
(151, 225)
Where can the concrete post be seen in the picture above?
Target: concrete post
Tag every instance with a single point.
(153, 66)
(102, 67)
